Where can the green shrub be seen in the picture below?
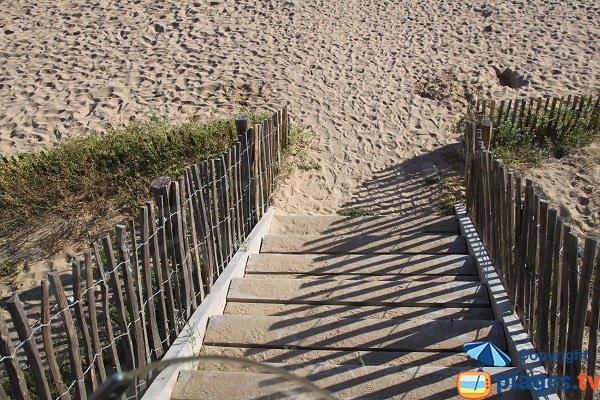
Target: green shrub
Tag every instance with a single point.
(553, 136)
(60, 190)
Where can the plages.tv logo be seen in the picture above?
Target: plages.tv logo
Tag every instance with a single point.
(474, 384)
(478, 384)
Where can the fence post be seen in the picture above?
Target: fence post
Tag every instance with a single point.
(486, 132)
(242, 124)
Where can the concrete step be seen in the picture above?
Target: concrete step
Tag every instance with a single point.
(344, 382)
(358, 292)
(365, 244)
(404, 278)
(362, 264)
(336, 357)
(371, 225)
(338, 311)
(350, 333)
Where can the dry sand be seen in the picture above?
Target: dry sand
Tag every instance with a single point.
(379, 82)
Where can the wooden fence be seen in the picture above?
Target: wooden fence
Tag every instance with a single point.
(551, 282)
(133, 291)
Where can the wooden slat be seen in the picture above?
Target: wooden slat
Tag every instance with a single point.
(508, 110)
(179, 251)
(522, 250)
(545, 279)
(515, 112)
(532, 260)
(358, 292)
(49, 343)
(510, 232)
(155, 351)
(110, 337)
(82, 323)
(158, 266)
(215, 215)
(69, 326)
(581, 305)
(172, 264)
(190, 206)
(222, 215)
(11, 363)
(228, 222)
(190, 256)
(536, 116)
(91, 302)
(239, 202)
(569, 262)
(522, 113)
(594, 324)
(529, 113)
(540, 272)
(555, 289)
(106, 309)
(34, 361)
(132, 299)
(136, 267)
(116, 288)
(167, 272)
(350, 333)
(210, 263)
(516, 283)
(498, 121)
(246, 171)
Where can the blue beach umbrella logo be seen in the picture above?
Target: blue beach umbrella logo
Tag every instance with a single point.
(487, 354)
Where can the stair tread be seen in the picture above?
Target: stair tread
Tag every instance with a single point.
(365, 244)
(338, 225)
(405, 278)
(353, 311)
(371, 264)
(359, 292)
(344, 382)
(350, 333)
(338, 357)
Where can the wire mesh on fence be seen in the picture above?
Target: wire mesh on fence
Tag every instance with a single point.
(159, 268)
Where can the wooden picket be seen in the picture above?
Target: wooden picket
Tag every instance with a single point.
(133, 290)
(536, 253)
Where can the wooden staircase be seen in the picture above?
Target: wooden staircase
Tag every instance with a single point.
(364, 307)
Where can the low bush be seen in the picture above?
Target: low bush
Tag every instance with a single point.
(55, 194)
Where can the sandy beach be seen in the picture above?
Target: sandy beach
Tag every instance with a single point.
(381, 83)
